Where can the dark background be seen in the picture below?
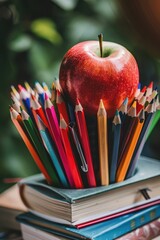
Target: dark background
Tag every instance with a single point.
(34, 36)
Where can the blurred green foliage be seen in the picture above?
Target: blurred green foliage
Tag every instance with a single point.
(34, 36)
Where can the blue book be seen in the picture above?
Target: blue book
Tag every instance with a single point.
(83, 206)
(109, 229)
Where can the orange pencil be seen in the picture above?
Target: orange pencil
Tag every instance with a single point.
(83, 133)
(103, 143)
(71, 160)
(17, 121)
(127, 156)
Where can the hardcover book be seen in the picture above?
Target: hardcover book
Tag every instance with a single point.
(109, 229)
(86, 206)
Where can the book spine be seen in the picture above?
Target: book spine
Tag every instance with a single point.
(147, 232)
(131, 223)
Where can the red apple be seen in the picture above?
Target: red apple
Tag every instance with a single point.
(87, 76)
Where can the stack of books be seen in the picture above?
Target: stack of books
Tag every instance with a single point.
(94, 184)
(105, 212)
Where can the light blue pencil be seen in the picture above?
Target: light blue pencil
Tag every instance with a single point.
(48, 142)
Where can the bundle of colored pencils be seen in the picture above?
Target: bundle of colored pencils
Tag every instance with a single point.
(57, 135)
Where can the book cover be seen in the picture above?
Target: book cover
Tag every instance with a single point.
(147, 232)
(110, 229)
(83, 205)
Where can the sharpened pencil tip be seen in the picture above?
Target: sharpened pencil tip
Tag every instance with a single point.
(63, 124)
(125, 101)
(101, 105)
(78, 107)
(117, 112)
(134, 104)
(139, 85)
(150, 85)
(46, 96)
(77, 101)
(20, 87)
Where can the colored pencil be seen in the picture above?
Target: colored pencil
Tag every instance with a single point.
(38, 144)
(123, 109)
(51, 116)
(83, 134)
(77, 146)
(137, 91)
(25, 98)
(57, 138)
(17, 106)
(46, 89)
(156, 117)
(70, 157)
(103, 144)
(149, 89)
(52, 152)
(53, 94)
(15, 92)
(152, 96)
(141, 103)
(61, 105)
(116, 131)
(17, 121)
(29, 89)
(40, 92)
(141, 93)
(127, 127)
(37, 109)
(125, 161)
(149, 112)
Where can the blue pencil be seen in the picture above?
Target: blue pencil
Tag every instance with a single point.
(41, 93)
(116, 129)
(48, 142)
(123, 109)
(25, 98)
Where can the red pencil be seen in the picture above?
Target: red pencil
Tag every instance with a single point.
(83, 133)
(141, 93)
(149, 89)
(71, 160)
(62, 106)
(140, 104)
(36, 107)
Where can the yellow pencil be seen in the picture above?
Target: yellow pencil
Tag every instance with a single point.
(103, 143)
(124, 164)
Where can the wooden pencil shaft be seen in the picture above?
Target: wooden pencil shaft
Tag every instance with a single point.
(103, 149)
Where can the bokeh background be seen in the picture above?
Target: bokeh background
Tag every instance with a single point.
(34, 36)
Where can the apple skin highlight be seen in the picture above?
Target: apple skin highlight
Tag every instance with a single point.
(87, 76)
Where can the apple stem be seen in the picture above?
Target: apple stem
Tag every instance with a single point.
(100, 37)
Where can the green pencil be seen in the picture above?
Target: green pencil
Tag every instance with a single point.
(154, 123)
(38, 144)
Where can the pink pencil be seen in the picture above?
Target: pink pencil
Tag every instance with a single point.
(56, 136)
